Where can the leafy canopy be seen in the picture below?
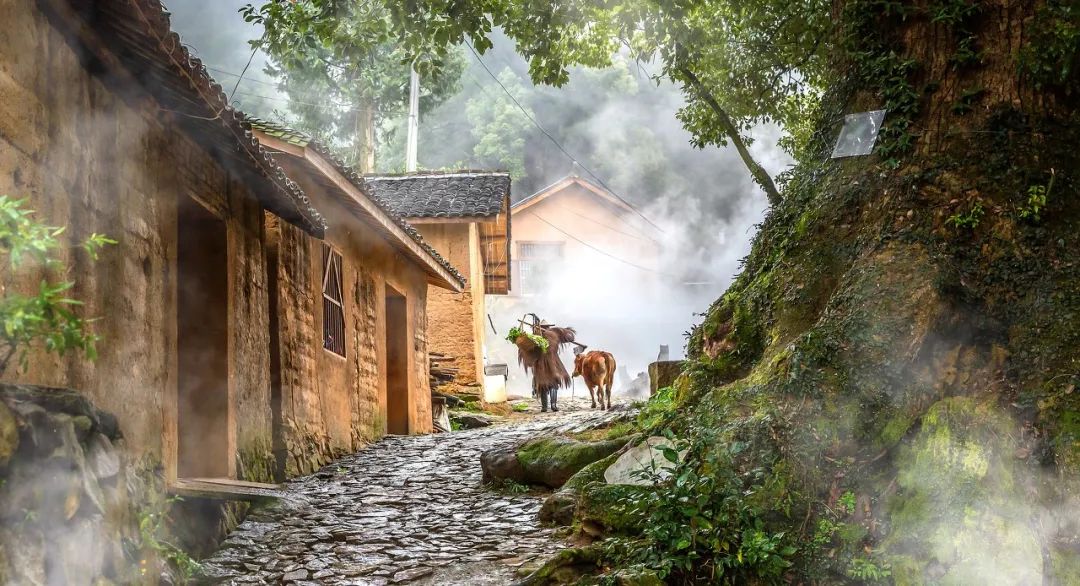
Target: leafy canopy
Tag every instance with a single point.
(342, 70)
(499, 128)
(739, 62)
(46, 317)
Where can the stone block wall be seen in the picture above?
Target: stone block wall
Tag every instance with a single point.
(663, 374)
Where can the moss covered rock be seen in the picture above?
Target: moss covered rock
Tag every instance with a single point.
(881, 379)
(548, 460)
(962, 514)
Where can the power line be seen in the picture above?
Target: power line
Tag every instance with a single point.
(614, 229)
(552, 138)
(292, 101)
(240, 77)
(607, 254)
(250, 79)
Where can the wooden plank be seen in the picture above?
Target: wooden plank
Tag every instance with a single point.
(225, 489)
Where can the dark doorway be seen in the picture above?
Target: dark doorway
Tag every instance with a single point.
(273, 266)
(202, 345)
(397, 363)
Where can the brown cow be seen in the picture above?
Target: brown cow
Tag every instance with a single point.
(598, 369)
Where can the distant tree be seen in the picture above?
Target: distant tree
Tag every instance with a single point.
(46, 318)
(342, 71)
(500, 127)
(739, 62)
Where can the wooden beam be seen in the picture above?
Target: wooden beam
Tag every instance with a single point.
(275, 143)
(225, 489)
(455, 220)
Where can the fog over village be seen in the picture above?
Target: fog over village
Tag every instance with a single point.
(496, 292)
(700, 205)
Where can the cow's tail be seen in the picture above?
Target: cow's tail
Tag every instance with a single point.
(609, 360)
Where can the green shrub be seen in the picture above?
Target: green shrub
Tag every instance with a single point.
(701, 525)
(509, 486)
(46, 317)
(656, 410)
(153, 537)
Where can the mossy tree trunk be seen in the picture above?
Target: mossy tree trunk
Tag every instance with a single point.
(901, 350)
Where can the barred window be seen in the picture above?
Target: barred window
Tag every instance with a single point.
(333, 303)
(535, 262)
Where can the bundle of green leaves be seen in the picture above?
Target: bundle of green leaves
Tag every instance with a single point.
(516, 332)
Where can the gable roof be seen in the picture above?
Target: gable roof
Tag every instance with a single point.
(131, 42)
(567, 181)
(453, 194)
(348, 189)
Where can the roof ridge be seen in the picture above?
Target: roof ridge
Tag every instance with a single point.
(444, 195)
(427, 174)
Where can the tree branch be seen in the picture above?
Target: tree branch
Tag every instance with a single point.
(761, 176)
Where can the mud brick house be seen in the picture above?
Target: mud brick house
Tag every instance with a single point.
(350, 358)
(108, 125)
(465, 216)
(545, 222)
(233, 318)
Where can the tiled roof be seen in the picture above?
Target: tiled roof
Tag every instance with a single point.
(137, 36)
(289, 135)
(453, 194)
(297, 138)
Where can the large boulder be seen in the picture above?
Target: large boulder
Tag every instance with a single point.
(663, 374)
(63, 489)
(642, 465)
(548, 460)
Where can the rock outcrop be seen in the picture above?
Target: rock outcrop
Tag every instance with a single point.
(549, 461)
(63, 489)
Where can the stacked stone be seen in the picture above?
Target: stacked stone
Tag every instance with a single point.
(63, 492)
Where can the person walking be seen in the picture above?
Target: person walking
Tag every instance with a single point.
(548, 372)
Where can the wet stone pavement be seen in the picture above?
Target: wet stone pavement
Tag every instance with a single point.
(404, 510)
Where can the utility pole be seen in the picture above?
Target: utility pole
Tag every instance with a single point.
(414, 121)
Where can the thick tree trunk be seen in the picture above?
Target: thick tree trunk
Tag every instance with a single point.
(901, 352)
(364, 140)
(960, 60)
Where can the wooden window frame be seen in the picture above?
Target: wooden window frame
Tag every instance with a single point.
(536, 263)
(333, 309)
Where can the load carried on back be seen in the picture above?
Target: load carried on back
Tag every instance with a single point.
(538, 344)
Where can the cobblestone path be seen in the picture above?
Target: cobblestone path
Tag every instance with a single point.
(405, 510)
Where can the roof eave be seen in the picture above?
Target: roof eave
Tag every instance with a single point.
(291, 203)
(437, 274)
